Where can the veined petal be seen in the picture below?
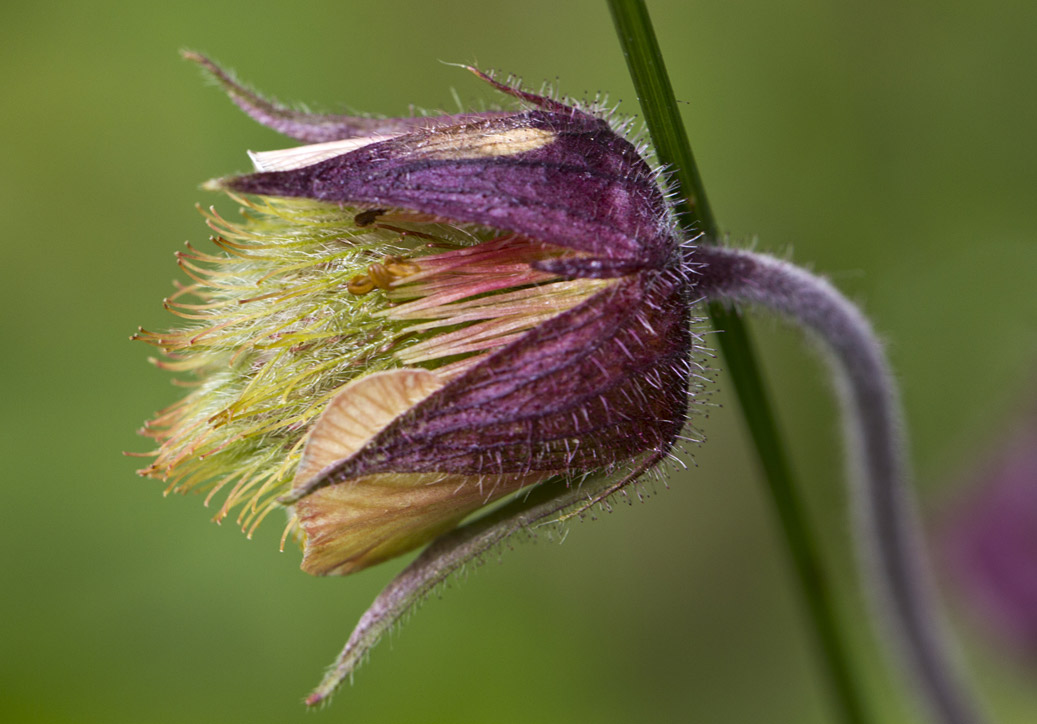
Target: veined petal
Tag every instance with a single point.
(286, 159)
(372, 518)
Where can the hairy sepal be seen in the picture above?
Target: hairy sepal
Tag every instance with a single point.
(593, 386)
(559, 177)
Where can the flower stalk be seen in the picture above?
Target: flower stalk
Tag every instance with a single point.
(888, 532)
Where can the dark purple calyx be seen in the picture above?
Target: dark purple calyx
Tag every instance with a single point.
(554, 174)
(589, 388)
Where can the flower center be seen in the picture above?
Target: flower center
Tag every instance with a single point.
(304, 298)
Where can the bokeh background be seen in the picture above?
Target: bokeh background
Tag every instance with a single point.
(888, 145)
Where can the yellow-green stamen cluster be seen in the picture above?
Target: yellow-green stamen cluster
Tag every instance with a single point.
(275, 330)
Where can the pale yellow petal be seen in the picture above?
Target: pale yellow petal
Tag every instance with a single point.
(361, 410)
(355, 523)
(352, 525)
(287, 159)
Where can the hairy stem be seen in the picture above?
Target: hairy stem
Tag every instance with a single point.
(887, 529)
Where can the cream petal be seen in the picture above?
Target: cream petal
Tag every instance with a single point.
(361, 410)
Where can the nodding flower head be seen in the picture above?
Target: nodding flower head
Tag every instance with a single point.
(418, 316)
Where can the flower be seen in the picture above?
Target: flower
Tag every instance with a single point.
(990, 542)
(419, 316)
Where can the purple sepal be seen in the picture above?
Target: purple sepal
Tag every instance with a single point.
(320, 127)
(585, 267)
(585, 188)
(594, 386)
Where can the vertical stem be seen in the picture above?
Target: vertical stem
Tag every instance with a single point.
(655, 94)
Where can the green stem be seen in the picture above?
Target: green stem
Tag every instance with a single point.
(662, 118)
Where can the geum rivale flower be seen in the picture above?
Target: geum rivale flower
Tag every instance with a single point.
(420, 316)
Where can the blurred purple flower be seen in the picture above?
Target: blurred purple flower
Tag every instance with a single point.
(991, 543)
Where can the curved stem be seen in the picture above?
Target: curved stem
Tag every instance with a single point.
(887, 528)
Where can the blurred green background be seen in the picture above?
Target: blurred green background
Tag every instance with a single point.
(888, 145)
